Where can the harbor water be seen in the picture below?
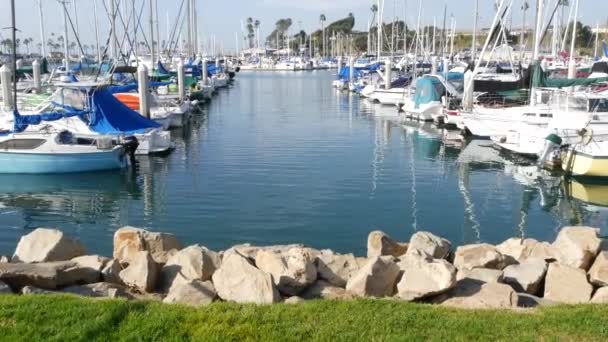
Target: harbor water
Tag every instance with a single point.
(284, 158)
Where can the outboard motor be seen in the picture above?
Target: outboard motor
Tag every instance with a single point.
(130, 145)
(553, 142)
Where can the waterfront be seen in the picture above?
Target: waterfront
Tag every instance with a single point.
(284, 158)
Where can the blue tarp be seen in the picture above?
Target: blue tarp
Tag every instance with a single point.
(428, 89)
(110, 116)
(605, 49)
(161, 69)
(344, 73)
(22, 121)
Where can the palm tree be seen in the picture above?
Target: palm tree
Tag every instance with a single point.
(256, 25)
(374, 10)
(27, 42)
(250, 31)
(322, 19)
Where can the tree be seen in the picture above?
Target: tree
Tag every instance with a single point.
(322, 19)
(250, 30)
(27, 42)
(256, 25)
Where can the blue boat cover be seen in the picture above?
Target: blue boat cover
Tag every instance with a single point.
(22, 121)
(428, 89)
(605, 49)
(110, 116)
(345, 73)
(161, 69)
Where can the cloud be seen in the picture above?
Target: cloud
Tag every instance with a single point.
(318, 5)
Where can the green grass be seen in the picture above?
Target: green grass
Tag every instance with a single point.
(68, 318)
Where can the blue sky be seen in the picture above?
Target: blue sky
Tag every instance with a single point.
(222, 19)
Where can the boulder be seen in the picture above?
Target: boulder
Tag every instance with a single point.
(98, 290)
(472, 294)
(567, 284)
(142, 272)
(294, 300)
(4, 288)
(545, 251)
(5, 259)
(94, 262)
(44, 245)
(239, 281)
(600, 296)
(128, 241)
(377, 278)
(517, 248)
(292, 270)
(577, 246)
(325, 290)
(598, 273)
(430, 244)
(424, 276)
(111, 272)
(193, 262)
(31, 290)
(193, 292)
(526, 277)
(47, 275)
(250, 252)
(478, 255)
(379, 244)
(486, 275)
(336, 269)
(526, 300)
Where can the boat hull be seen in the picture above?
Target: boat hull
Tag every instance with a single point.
(45, 163)
(582, 164)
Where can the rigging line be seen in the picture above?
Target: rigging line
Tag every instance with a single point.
(173, 37)
(67, 13)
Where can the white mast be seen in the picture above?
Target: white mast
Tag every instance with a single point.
(76, 28)
(152, 55)
(189, 27)
(597, 38)
(379, 31)
(474, 47)
(66, 51)
(539, 25)
(96, 31)
(114, 44)
(42, 33)
(157, 28)
(195, 27)
(572, 65)
(434, 25)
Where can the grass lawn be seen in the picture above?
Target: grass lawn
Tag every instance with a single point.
(69, 318)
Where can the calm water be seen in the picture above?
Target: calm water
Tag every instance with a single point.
(281, 158)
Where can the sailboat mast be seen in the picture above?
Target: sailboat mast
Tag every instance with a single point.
(189, 26)
(134, 14)
(66, 51)
(114, 44)
(14, 36)
(158, 45)
(97, 31)
(380, 8)
(597, 37)
(152, 32)
(42, 33)
(474, 44)
(572, 64)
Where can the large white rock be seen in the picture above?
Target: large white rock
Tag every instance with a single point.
(379, 244)
(517, 248)
(472, 294)
(377, 278)
(191, 292)
(567, 284)
(250, 252)
(101, 290)
(527, 276)
(323, 289)
(239, 281)
(47, 275)
(128, 241)
(430, 244)
(598, 273)
(4, 288)
(600, 296)
(44, 244)
(486, 275)
(424, 276)
(292, 270)
(336, 269)
(577, 246)
(193, 262)
(111, 272)
(478, 255)
(142, 272)
(545, 251)
(94, 262)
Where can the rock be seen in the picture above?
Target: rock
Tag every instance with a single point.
(292, 270)
(94, 262)
(47, 275)
(294, 300)
(250, 251)
(379, 244)
(98, 290)
(472, 294)
(377, 278)
(478, 255)
(238, 280)
(598, 273)
(526, 277)
(526, 300)
(142, 272)
(44, 245)
(600, 296)
(517, 248)
(193, 292)
(486, 275)
(111, 272)
(4, 288)
(5, 259)
(193, 262)
(567, 284)
(337, 269)
(577, 246)
(424, 276)
(322, 289)
(31, 290)
(544, 251)
(128, 241)
(432, 245)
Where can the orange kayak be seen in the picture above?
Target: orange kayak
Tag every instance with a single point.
(130, 100)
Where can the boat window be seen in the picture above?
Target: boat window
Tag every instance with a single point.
(546, 115)
(598, 105)
(21, 144)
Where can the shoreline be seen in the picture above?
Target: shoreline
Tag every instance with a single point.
(515, 274)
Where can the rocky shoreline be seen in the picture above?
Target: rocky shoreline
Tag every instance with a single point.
(148, 265)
